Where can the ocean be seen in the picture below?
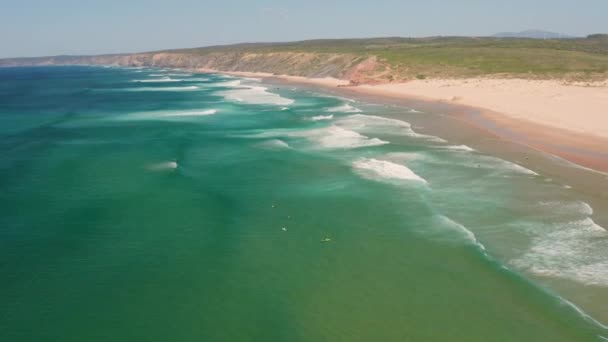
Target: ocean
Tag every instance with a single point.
(142, 204)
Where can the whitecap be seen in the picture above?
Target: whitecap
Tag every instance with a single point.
(165, 166)
(255, 95)
(340, 138)
(227, 84)
(167, 115)
(157, 80)
(463, 148)
(274, 144)
(565, 207)
(332, 137)
(377, 124)
(454, 226)
(186, 88)
(570, 250)
(384, 170)
(345, 108)
(191, 113)
(321, 117)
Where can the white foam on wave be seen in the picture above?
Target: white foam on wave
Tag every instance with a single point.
(377, 124)
(167, 115)
(157, 80)
(518, 168)
(413, 111)
(340, 138)
(274, 144)
(186, 88)
(573, 250)
(467, 160)
(180, 74)
(463, 148)
(331, 137)
(574, 207)
(255, 95)
(191, 113)
(385, 170)
(454, 226)
(227, 84)
(345, 108)
(321, 117)
(196, 79)
(164, 166)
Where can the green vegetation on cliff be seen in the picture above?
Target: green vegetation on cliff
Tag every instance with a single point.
(383, 59)
(578, 58)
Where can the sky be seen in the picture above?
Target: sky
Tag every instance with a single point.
(76, 27)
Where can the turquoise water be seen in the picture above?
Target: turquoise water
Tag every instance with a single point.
(159, 205)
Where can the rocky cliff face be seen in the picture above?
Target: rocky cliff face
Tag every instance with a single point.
(355, 68)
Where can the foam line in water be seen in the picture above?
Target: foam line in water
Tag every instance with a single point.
(167, 115)
(570, 250)
(157, 80)
(255, 95)
(186, 88)
(165, 166)
(345, 108)
(274, 144)
(463, 148)
(191, 113)
(574, 207)
(332, 137)
(340, 138)
(384, 170)
(321, 117)
(467, 160)
(377, 124)
(462, 230)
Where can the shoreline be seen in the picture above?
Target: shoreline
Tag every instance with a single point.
(481, 130)
(586, 149)
(576, 161)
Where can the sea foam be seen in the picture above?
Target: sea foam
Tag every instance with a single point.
(377, 124)
(274, 144)
(570, 250)
(321, 117)
(186, 88)
(384, 170)
(165, 166)
(331, 137)
(345, 108)
(167, 115)
(157, 80)
(255, 95)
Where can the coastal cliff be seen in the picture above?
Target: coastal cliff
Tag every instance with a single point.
(352, 67)
(380, 60)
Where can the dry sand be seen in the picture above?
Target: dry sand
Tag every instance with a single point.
(577, 107)
(568, 120)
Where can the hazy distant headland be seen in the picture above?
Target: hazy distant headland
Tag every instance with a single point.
(380, 60)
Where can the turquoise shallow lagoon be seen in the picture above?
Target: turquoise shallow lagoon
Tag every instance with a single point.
(160, 205)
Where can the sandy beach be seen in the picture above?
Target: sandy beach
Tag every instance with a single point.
(567, 120)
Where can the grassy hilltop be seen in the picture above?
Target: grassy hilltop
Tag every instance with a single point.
(578, 58)
(382, 59)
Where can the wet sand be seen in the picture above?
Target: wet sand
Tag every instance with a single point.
(560, 156)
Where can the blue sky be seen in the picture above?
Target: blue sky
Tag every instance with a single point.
(51, 27)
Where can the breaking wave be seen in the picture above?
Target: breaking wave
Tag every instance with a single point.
(384, 170)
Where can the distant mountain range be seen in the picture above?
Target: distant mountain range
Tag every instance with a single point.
(534, 34)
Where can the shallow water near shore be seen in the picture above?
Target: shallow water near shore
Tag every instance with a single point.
(156, 205)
